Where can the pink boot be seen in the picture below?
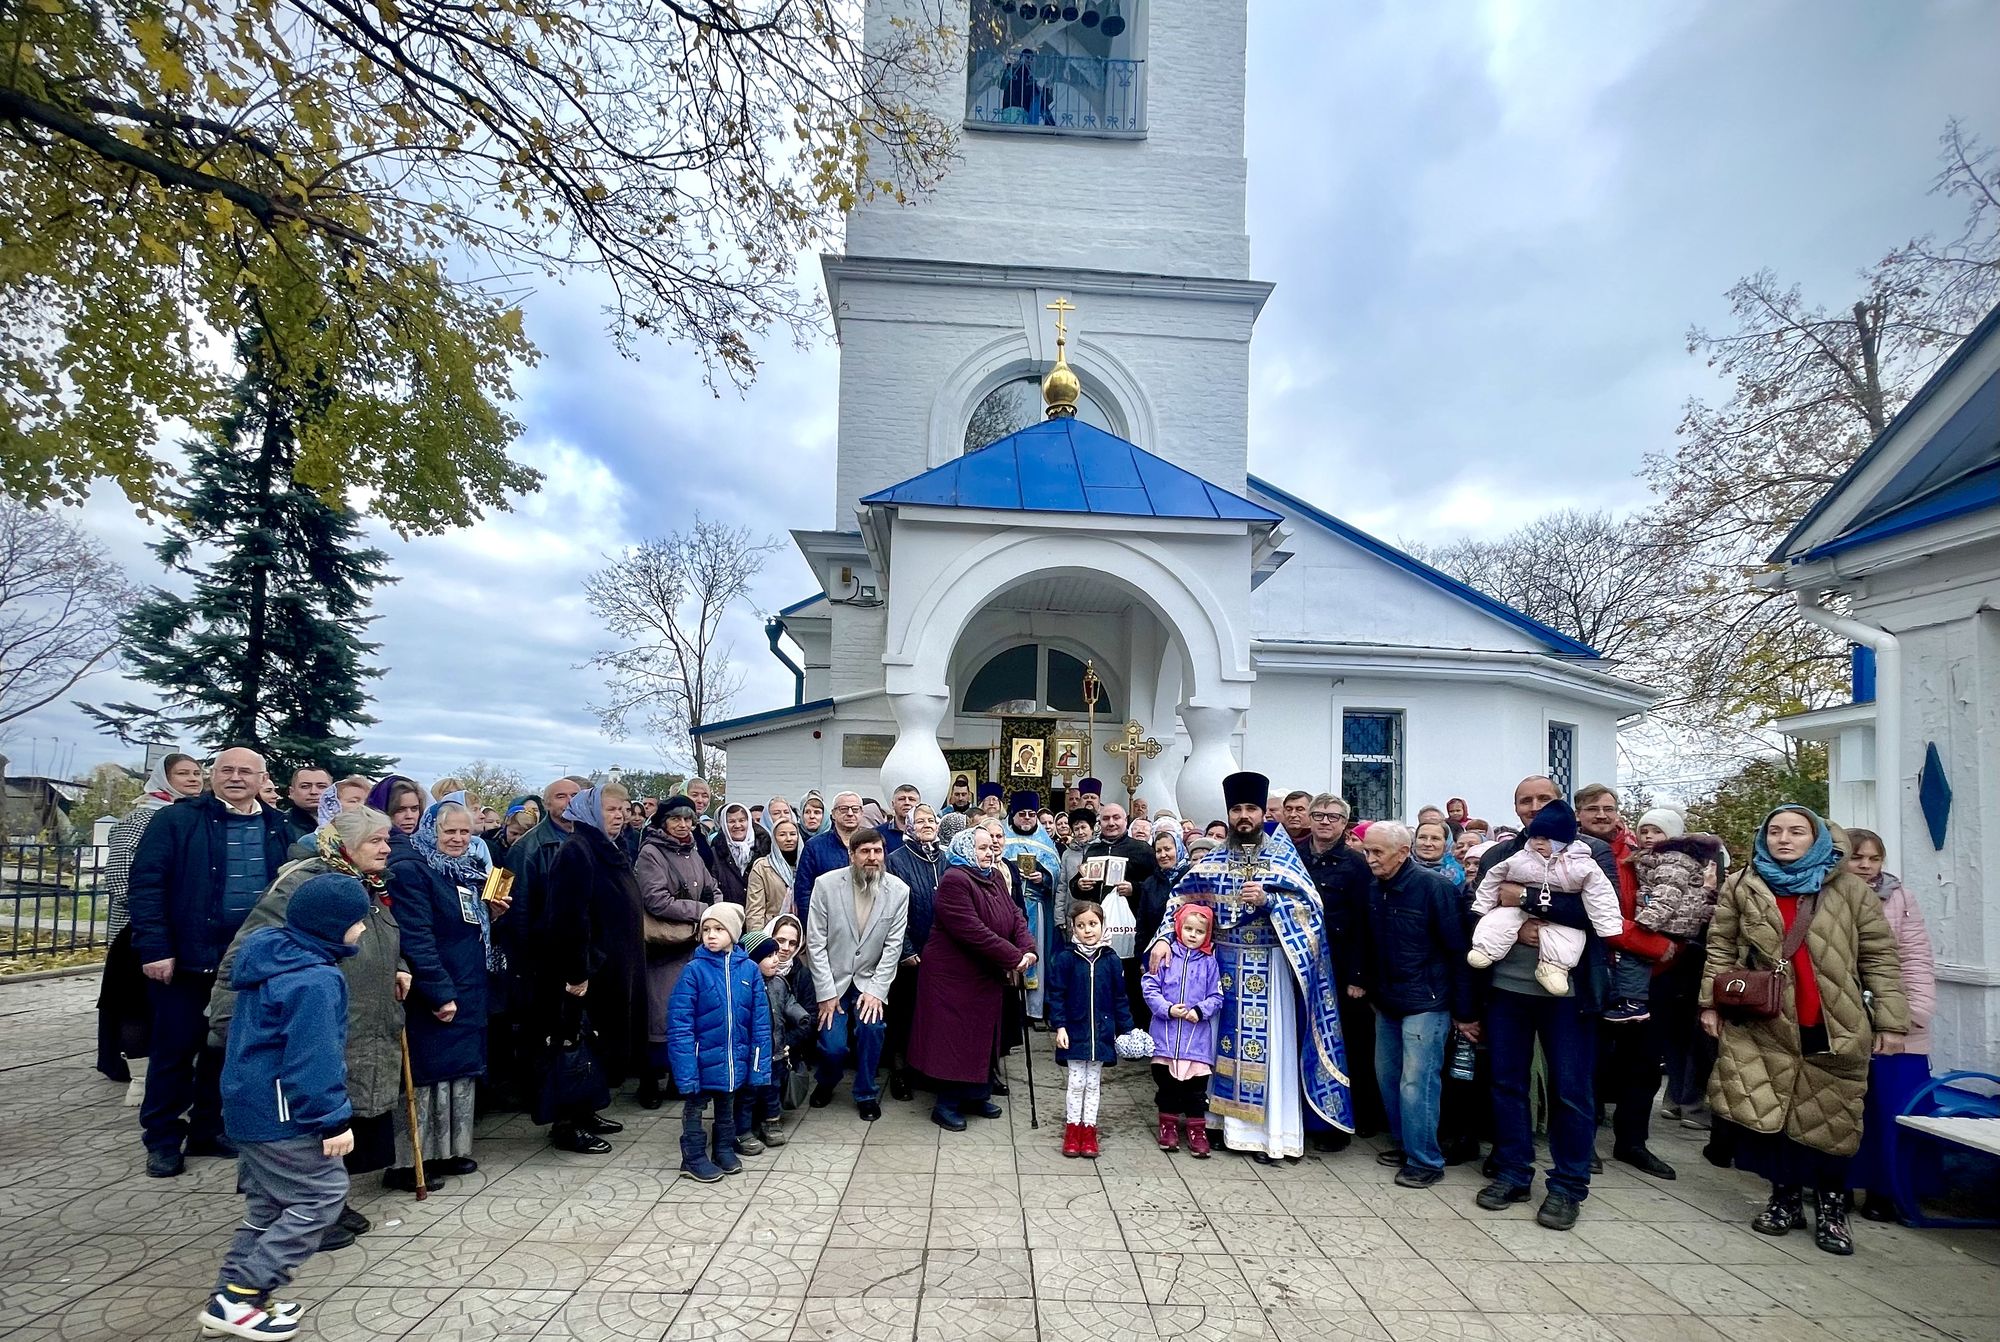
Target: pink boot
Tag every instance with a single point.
(1170, 1132)
(1197, 1129)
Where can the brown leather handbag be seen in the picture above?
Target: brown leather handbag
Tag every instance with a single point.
(1749, 993)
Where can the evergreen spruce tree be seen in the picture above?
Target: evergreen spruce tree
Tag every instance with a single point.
(267, 651)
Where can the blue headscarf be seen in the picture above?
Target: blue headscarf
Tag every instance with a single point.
(961, 854)
(1806, 874)
(469, 868)
(587, 808)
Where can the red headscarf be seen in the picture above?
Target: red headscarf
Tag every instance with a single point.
(1208, 933)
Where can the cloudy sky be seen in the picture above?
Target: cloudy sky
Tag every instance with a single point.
(1490, 226)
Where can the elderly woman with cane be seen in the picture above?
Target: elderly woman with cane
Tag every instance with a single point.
(973, 961)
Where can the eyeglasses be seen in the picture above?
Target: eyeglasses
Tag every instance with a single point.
(1328, 815)
(847, 810)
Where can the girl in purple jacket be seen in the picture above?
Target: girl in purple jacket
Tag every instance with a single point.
(1185, 995)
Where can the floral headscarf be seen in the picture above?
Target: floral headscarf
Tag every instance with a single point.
(963, 852)
(466, 869)
(335, 856)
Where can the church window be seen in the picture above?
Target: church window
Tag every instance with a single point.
(1562, 757)
(1031, 678)
(1371, 763)
(1060, 67)
(1013, 406)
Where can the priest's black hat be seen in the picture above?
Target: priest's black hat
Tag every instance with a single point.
(1090, 787)
(1246, 788)
(991, 790)
(1024, 801)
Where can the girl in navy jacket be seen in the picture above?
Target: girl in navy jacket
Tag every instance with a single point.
(1087, 1005)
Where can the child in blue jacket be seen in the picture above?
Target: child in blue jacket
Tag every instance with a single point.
(718, 1042)
(1088, 1007)
(284, 1102)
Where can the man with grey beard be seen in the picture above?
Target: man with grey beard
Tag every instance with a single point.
(854, 942)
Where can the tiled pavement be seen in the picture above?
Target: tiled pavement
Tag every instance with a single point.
(897, 1231)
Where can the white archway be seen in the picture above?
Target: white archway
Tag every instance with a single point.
(943, 575)
(1005, 358)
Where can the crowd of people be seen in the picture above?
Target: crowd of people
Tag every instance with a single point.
(337, 979)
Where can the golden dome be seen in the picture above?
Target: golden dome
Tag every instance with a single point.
(1060, 389)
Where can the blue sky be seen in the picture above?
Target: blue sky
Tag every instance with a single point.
(1490, 226)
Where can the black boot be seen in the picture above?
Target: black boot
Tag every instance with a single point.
(769, 1131)
(649, 1096)
(899, 1084)
(1832, 1234)
(1785, 1211)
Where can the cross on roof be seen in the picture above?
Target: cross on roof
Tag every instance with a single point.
(1062, 307)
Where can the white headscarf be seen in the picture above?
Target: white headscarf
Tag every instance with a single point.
(739, 853)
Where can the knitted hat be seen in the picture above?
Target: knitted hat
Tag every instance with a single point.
(678, 802)
(1667, 821)
(729, 915)
(326, 906)
(1555, 822)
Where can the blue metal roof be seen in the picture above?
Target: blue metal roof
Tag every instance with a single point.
(1968, 494)
(1561, 643)
(1961, 448)
(1067, 466)
(798, 606)
(769, 715)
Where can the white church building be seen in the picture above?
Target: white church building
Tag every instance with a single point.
(982, 558)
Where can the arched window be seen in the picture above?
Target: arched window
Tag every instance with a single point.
(1031, 678)
(1013, 406)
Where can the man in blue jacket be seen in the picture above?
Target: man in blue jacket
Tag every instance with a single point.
(1417, 978)
(825, 852)
(201, 866)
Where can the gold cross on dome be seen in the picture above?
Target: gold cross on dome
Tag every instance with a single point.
(1062, 307)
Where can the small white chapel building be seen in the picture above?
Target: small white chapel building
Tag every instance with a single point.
(983, 558)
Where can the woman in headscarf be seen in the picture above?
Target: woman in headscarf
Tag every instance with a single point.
(1149, 908)
(1788, 1091)
(776, 809)
(593, 959)
(1430, 848)
(1893, 1078)
(736, 845)
(675, 886)
(977, 951)
(123, 1016)
(788, 988)
(436, 884)
(919, 864)
(813, 819)
(772, 874)
(402, 800)
(355, 843)
(523, 813)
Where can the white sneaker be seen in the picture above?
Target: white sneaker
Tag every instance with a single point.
(224, 1317)
(1478, 959)
(1553, 977)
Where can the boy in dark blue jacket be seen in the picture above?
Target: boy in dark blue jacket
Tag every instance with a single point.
(284, 1102)
(718, 1042)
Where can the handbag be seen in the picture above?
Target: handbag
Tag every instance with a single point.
(662, 934)
(574, 1079)
(1748, 993)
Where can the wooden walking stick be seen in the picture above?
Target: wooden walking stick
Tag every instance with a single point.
(410, 1104)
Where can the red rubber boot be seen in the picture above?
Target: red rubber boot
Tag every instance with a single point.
(1072, 1140)
(1089, 1142)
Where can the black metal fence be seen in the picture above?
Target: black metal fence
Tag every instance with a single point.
(50, 900)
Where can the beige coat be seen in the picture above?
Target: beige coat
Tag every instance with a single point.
(1760, 1080)
(765, 897)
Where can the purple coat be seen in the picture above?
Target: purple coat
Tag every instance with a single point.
(1190, 978)
(977, 937)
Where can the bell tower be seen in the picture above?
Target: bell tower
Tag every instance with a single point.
(1100, 158)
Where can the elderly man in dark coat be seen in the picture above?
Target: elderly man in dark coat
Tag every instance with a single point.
(594, 959)
(978, 947)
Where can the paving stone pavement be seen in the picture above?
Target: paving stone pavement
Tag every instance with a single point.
(894, 1231)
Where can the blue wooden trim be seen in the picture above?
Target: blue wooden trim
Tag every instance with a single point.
(1988, 327)
(1562, 643)
(770, 715)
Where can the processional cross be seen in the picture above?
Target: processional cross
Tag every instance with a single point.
(1132, 748)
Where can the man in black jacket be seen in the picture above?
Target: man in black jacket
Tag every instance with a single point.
(309, 784)
(1420, 984)
(1113, 841)
(1342, 880)
(201, 866)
